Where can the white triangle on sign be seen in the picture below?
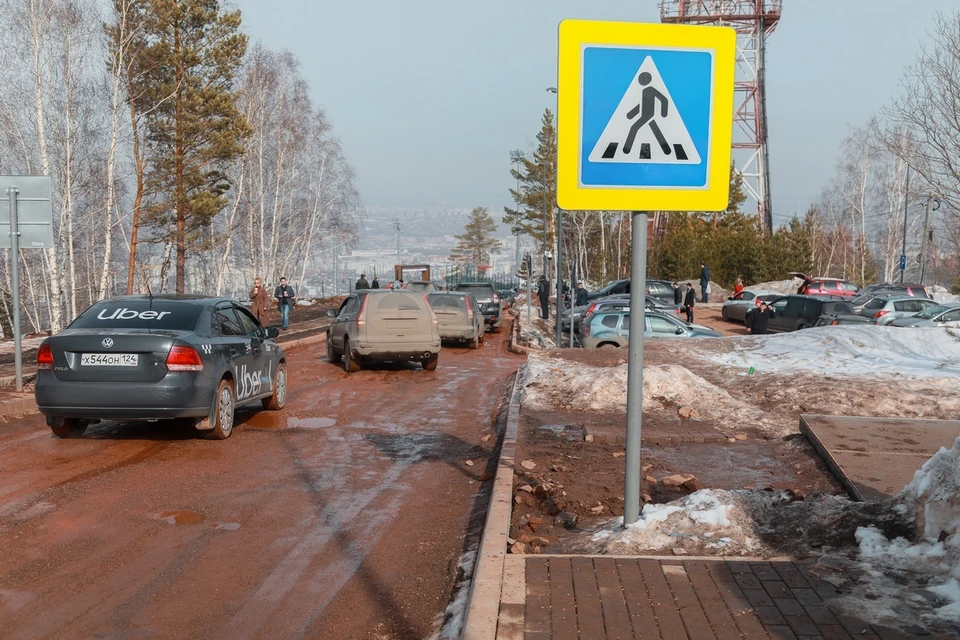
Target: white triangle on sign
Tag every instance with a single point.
(656, 138)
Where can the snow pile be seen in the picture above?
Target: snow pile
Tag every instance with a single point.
(536, 333)
(708, 521)
(552, 383)
(933, 498)
(780, 286)
(942, 295)
(856, 350)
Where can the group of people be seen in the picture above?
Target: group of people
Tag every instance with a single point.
(363, 283)
(284, 295)
(543, 293)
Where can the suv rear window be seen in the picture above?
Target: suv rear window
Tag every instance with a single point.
(398, 301)
(140, 314)
(480, 290)
(456, 302)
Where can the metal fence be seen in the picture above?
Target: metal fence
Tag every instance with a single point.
(471, 274)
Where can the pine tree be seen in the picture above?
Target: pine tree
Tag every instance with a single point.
(194, 129)
(537, 197)
(476, 244)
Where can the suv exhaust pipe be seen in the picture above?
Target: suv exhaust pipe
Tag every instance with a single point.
(427, 354)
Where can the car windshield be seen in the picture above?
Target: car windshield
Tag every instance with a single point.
(932, 312)
(165, 315)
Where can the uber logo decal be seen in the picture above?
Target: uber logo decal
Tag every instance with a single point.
(207, 349)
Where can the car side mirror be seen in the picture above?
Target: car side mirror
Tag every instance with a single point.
(730, 298)
(273, 331)
(331, 313)
(679, 331)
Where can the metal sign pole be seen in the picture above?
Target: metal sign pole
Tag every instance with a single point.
(15, 284)
(559, 258)
(638, 287)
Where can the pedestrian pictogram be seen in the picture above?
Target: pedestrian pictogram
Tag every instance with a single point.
(646, 127)
(645, 116)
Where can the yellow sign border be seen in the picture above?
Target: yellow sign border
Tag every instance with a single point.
(573, 34)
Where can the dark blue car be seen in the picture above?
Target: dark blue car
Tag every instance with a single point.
(159, 357)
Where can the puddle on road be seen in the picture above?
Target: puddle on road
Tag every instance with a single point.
(228, 526)
(270, 420)
(180, 517)
(567, 432)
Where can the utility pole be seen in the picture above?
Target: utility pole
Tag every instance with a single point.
(903, 251)
(396, 223)
(516, 157)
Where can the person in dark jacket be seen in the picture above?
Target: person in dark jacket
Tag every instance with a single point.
(704, 281)
(362, 282)
(284, 294)
(376, 282)
(581, 300)
(758, 317)
(689, 300)
(677, 294)
(543, 292)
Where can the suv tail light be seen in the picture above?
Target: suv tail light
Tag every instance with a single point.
(45, 358)
(586, 330)
(361, 317)
(183, 358)
(882, 312)
(496, 299)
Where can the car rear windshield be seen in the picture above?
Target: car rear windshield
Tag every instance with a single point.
(456, 302)
(140, 314)
(399, 302)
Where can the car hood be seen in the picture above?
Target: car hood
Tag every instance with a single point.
(700, 331)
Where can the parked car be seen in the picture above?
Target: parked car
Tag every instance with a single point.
(884, 309)
(423, 286)
(489, 301)
(888, 289)
(659, 289)
(383, 325)
(832, 319)
(794, 312)
(156, 358)
(736, 306)
(458, 316)
(612, 328)
(621, 301)
(931, 316)
(825, 286)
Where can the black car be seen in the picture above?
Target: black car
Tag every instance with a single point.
(156, 358)
(794, 312)
(488, 298)
(660, 289)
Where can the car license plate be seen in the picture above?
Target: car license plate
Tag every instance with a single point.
(109, 360)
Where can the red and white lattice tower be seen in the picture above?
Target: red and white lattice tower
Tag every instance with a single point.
(753, 20)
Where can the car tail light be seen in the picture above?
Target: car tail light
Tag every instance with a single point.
(496, 298)
(363, 309)
(470, 311)
(44, 358)
(882, 312)
(182, 358)
(586, 330)
(590, 309)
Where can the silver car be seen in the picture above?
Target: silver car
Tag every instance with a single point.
(383, 325)
(735, 308)
(612, 329)
(931, 316)
(458, 317)
(883, 310)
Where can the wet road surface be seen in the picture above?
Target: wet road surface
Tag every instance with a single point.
(344, 515)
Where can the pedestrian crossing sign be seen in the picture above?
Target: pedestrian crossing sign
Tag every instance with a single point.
(645, 116)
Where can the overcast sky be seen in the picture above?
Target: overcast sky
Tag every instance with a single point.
(429, 97)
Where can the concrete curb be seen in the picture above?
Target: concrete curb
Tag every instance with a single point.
(301, 342)
(514, 335)
(483, 604)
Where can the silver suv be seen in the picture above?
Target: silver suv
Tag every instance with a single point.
(488, 299)
(383, 325)
(458, 316)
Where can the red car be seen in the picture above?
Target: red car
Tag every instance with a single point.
(825, 286)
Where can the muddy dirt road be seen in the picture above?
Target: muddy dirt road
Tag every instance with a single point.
(342, 516)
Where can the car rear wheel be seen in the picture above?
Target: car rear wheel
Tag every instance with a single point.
(430, 364)
(332, 355)
(724, 315)
(221, 414)
(69, 428)
(275, 402)
(350, 363)
(607, 344)
(475, 343)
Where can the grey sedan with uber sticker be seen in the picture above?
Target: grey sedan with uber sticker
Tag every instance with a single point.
(193, 358)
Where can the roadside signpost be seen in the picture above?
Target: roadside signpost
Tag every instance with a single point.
(644, 122)
(30, 226)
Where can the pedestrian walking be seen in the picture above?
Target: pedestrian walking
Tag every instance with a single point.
(543, 292)
(758, 317)
(677, 294)
(258, 296)
(285, 295)
(362, 282)
(689, 300)
(376, 282)
(704, 281)
(581, 300)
